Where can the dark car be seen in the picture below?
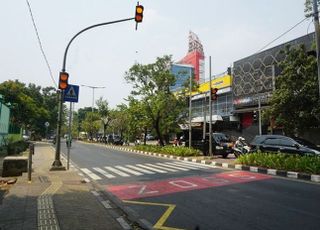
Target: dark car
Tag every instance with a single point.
(221, 144)
(284, 144)
(117, 140)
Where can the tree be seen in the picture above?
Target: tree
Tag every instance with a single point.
(29, 106)
(104, 112)
(295, 103)
(91, 123)
(119, 120)
(308, 10)
(151, 85)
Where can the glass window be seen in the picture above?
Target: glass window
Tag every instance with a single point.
(286, 142)
(272, 141)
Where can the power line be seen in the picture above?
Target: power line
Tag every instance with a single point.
(281, 35)
(40, 44)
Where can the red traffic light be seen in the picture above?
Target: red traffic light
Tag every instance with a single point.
(63, 80)
(139, 13)
(214, 92)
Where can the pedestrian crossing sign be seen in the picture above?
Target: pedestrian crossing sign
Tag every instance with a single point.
(71, 93)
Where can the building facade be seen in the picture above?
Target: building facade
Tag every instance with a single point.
(195, 58)
(254, 80)
(4, 121)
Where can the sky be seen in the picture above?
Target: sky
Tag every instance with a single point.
(229, 31)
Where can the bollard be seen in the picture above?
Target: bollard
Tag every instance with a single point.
(31, 152)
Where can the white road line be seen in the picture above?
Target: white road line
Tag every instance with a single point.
(183, 165)
(129, 170)
(151, 168)
(90, 174)
(104, 173)
(161, 167)
(139, 169)
(172, 166)
(116, 171)
(192, 164)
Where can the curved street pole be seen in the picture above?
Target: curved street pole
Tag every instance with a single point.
(57, 165)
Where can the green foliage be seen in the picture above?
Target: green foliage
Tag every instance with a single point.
(308, 10)
(13, 145)
(151, 98)
(295, 102)
(92, 123)
(289, 162)
(171, 150)
(31, 106)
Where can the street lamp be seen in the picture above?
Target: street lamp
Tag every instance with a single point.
(93, 88)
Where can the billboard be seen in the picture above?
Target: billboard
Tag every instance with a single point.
(182, 74)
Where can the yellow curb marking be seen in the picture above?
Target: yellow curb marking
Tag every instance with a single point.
(163, 218)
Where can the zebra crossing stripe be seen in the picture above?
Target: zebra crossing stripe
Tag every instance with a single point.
(174, 167)
(139, 169)
(104, 173)
(192, 164)
(129, 170)
(151, 168)
(90, 174)
(182, 165)
(116, 171)
(161, 167)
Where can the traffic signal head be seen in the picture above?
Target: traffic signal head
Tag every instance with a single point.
(139, 13)
(214, 92)
(254, 115)
(63, 80)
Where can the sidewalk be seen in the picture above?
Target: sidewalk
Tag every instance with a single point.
(53, 200)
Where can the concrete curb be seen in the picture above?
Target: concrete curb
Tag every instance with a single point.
(274, 172)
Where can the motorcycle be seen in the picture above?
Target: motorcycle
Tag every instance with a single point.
(241, 147)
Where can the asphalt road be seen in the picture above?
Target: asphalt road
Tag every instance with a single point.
(179, 195)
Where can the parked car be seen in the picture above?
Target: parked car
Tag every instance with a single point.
(149, 137)
(221, 144)
(284, 144)
(26, 137)
(117, 140)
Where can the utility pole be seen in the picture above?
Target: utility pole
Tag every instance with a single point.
(204, 117)
(210, 110)
(259, 107)
(317, 32)
(190, 108)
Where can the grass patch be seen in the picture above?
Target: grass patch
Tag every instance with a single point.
(170, 150)
(288, 162)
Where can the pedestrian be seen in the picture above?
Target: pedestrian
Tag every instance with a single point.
(175, 142)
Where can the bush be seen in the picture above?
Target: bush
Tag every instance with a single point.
(14, 145)
(171, 150)
(289, 162)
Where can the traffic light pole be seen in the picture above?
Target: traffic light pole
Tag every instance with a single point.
(210, 110)
(57, 165)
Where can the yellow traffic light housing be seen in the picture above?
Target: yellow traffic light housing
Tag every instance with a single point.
(139, 13)
(63, 80)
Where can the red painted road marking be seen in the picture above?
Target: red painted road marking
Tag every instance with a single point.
(174, 185)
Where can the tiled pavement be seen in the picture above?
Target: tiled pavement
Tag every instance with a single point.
(56, 200)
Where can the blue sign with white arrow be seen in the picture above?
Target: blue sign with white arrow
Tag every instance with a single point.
(71, 93)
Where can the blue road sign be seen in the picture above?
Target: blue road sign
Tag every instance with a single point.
(71, 93)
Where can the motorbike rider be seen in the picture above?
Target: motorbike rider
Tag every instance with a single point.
(241, 147)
